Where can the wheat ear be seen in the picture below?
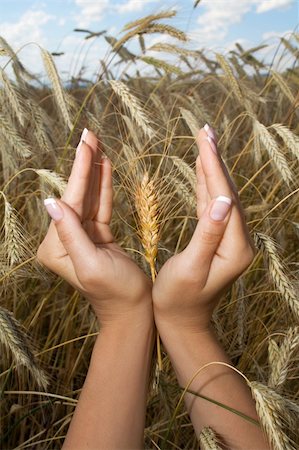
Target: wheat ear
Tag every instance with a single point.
(283, 355)
(271, 415)
(270, 144)
(208, 439)
(276, 270)
(15, 339)
(133, 106)
(57, 87)
(146, 202)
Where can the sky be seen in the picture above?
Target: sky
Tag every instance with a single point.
(215, 25)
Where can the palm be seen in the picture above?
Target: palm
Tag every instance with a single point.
(89, 194)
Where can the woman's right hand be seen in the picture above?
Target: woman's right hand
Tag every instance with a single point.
(190, 283)
(80, 247)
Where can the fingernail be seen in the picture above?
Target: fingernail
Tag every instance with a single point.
(210, 132)
(220, 208)
(212, 144)
(83, 135)
(82, 139)
(54, 210)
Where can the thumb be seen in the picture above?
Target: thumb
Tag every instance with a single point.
(70, 231)
(209, 231)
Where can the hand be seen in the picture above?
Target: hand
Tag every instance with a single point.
(79, 245)
(190, 283)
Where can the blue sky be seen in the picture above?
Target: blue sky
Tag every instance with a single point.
(213, 25)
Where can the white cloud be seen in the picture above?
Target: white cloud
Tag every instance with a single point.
(29, 28)
(267, 5)
(216, 19)
(91, 11)
(133, 5)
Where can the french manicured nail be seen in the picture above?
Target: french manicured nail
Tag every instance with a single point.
(54, 210)
(220, 208)
(82, 139)
(83, 135)
(212, 144)
(210, 132)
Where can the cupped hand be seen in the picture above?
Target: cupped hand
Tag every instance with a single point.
(79, 245)
(190, 283)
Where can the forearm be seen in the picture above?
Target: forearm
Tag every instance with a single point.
(188, 353)
(111, 410)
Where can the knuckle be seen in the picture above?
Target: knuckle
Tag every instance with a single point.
(66, 237)
(210, 237)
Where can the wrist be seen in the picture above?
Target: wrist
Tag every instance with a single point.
(125, 318)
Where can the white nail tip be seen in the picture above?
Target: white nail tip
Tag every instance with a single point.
(50, 201)
(223, 198)
(206, 127)
(84, 134)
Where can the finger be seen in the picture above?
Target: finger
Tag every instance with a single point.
(202, 194)
(219, 183)
(93, 194)
(216, 181)
(71, 234)
(104, 212)
(209, 233)
(78, 187)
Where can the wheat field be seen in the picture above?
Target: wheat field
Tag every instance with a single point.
(147, 125)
